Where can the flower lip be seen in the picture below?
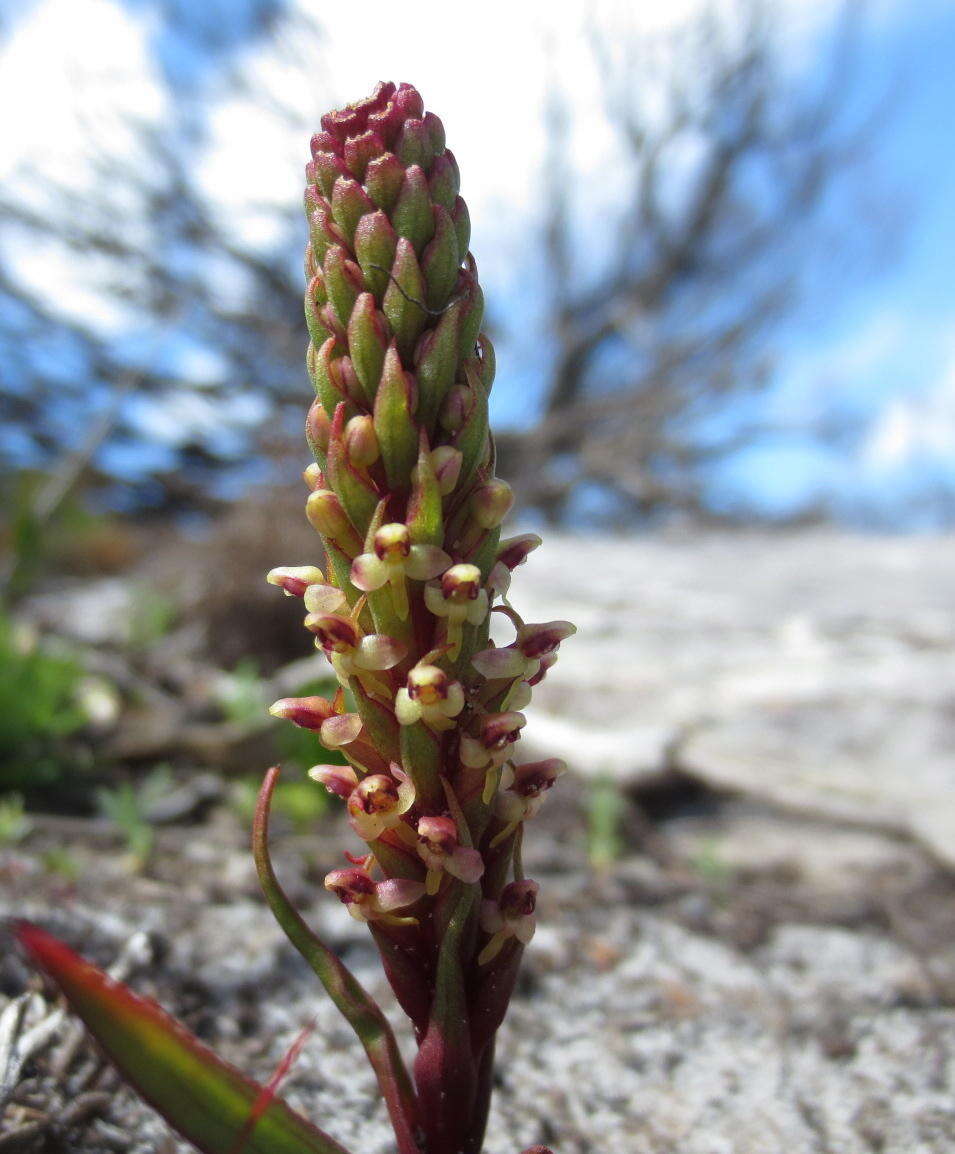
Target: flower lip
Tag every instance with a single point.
(335, 634)
(518, 899)
(392, 541)
(461, 582)
(350, 885)
(428, 684)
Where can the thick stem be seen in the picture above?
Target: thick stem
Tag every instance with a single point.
(482, 1101)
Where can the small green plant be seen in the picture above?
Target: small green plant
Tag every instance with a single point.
(710, 864)
(241, 696)
(427, 712)
(39, 709)
(14, 823)
(62, 863)
(128, 807)
(604, 808)
(152, 614)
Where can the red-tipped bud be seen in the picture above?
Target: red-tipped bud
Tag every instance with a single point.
(295, 579)
(491, 502)
(360, 150)
(318, 427)
(305, 712)
(337, 779)
(361, 442)
(446, 462)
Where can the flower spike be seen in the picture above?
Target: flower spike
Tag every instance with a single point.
(403, 496)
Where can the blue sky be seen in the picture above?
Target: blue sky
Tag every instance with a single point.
(873, 339)
(883, 343)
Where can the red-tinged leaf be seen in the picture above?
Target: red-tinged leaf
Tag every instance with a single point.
(270, 1089)
(207, 1101)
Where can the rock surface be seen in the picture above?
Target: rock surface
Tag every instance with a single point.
(768, 962)
(716, 997)
(814, 669)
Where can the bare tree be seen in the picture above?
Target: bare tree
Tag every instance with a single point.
(728, 161)
(158, 246)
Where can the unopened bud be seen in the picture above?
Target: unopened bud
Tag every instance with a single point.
(295, 579)
(361, 441)
(446, 462)
(318, 427)
(325, 513)
(305, 712)
(491, 502)
(456, 408)
(313, 476)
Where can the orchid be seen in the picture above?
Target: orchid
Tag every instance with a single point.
(429, 713)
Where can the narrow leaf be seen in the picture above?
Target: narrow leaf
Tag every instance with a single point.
(355, 1003)
(444, 1068)
(207, 1101)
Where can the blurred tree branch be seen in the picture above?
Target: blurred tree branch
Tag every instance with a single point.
(725, 158)
(727, 161)
(154, 244)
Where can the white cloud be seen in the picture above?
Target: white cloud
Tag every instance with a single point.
(78, 85)
(75, 79)
(915, 427)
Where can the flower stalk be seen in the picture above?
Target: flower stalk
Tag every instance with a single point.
(406, 500)
(429, 710)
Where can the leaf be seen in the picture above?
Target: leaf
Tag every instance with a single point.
(356, 1004)
(207, 1101)
(444, 1068)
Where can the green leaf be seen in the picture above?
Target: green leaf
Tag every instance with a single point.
(356, 1004)
(207, 1101)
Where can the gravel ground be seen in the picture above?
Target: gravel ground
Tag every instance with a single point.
(709, 991)
(766, 965)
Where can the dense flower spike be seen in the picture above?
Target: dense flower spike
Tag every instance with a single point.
(404, 496)
(428, 711)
